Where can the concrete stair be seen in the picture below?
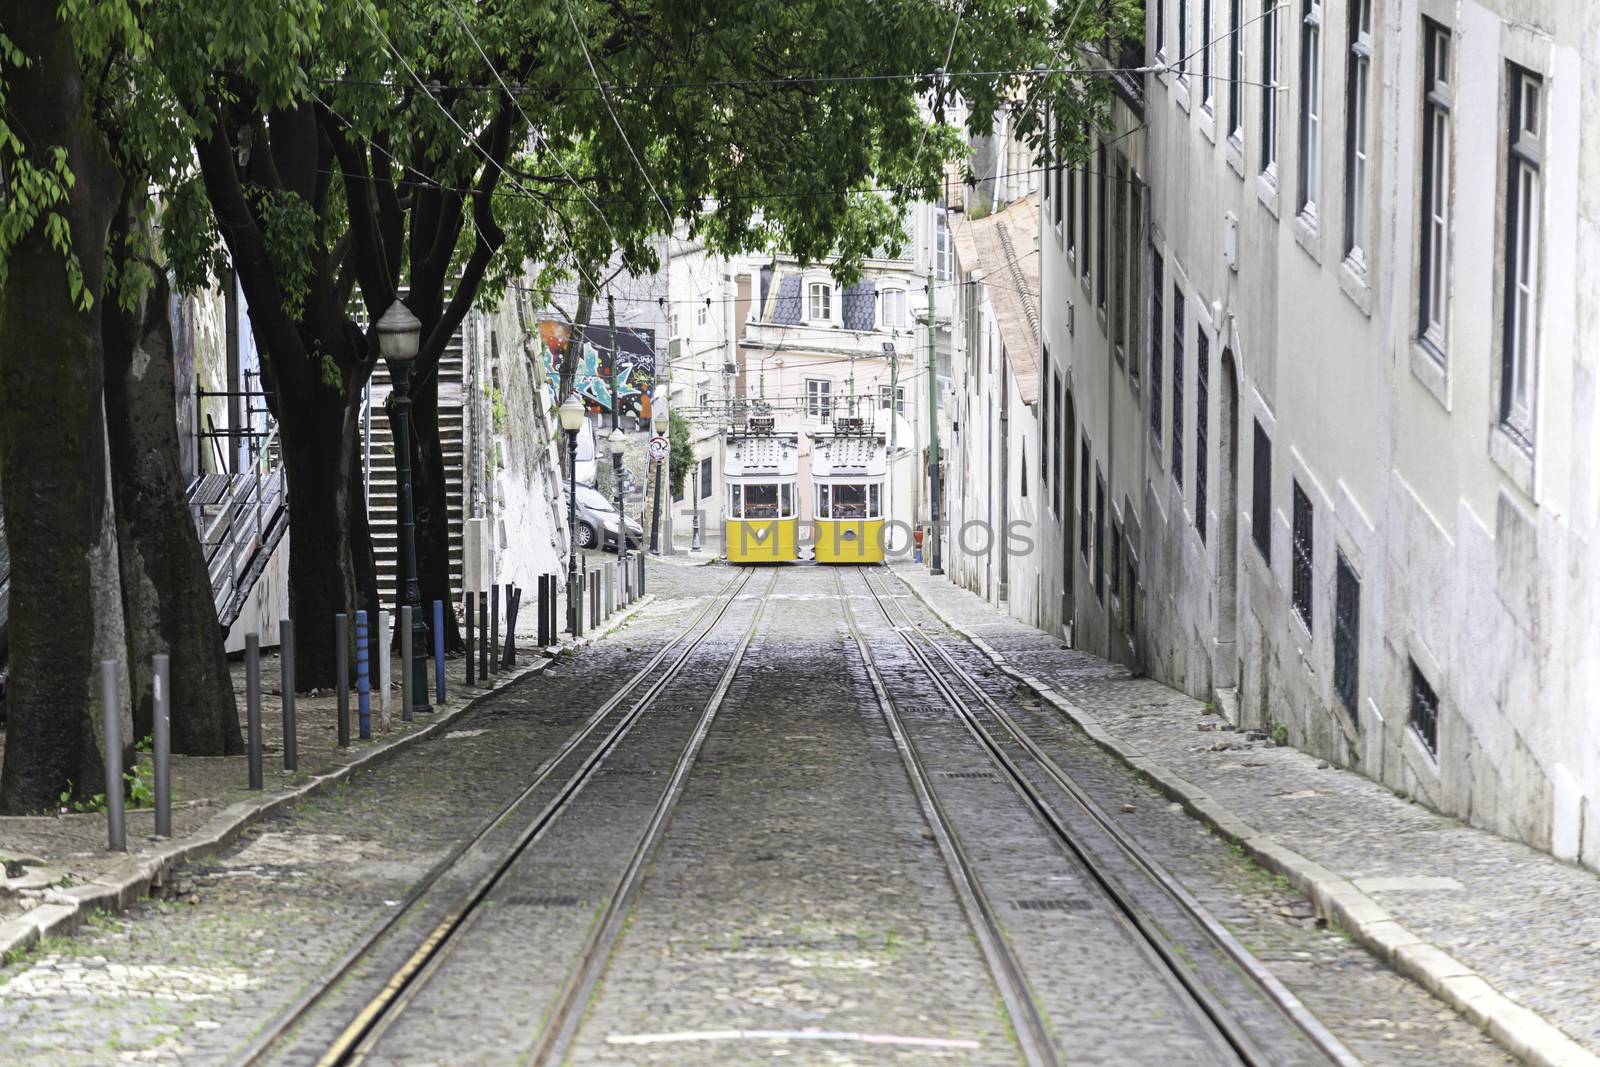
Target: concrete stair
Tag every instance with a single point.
(382, 487)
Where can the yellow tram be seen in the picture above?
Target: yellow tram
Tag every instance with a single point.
(760, 522)
(849, 466)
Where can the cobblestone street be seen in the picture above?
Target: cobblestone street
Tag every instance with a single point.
(747, 826)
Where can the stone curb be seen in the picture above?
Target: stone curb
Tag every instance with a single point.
(134, 876)
(1523, 1033)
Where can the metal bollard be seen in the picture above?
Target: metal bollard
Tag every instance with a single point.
(438, 652)
(542, 607)
(252, 707)
(483, 636)
(291, 725)
(363, 678)
(594, 601)
(472, 639)
(508, 656)
(494, 625)
(161, 676)
(405, 662)
(380, 650)
(341, 640)
(111, 705)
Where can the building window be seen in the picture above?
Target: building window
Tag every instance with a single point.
(1433, 272)
(1424, 710)
(1261, 494)
(1045, 427)
(1357, 132)
(944, 250)
(1083, 220)
(1310, 108)
(1346, 634)
(1116, 560)
(1022, 480)
(1236, 72)
(894, 308)
(1161, 27)
(1521, 342)
(1059, 171)
(1130, 599)
(1099, 536)
(819, 399)
(700, 314)
(1119, 266)
(1202, 426)
(821, 306)
(1083, 502)
(899, 398)
(1177, 384)
(1206, 99)
(1102, 246)
(1269, 88)
(1183, 40)
(705, 478)
(1155, 349)
(1053, 461)
(1300, 587)
(1135, 247)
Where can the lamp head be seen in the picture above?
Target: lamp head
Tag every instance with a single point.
(618, 441)
(399, 336)
(571, 413)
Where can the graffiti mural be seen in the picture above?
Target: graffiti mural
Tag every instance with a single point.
(635, 376)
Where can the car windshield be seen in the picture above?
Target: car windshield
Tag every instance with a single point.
(593, 500)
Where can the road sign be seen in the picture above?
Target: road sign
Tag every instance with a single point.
(659, 447)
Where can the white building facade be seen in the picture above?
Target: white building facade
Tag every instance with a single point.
(1350, 447)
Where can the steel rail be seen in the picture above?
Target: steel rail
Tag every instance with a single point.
(280, 1026)
(1027, 1021)
(1266, 983)
(562, 1025)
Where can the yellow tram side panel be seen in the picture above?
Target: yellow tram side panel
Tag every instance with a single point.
(761, 540)
(849, 540)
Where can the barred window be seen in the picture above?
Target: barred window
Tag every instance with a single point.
(1261, 494)
(1304, 530)
(1346, 634)
(1099, 535)
(1202, 424)
(1177, 384)
(1424, 710)
(1083, 502)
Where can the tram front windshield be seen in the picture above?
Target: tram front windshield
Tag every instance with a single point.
(766, 501)
(857, 501)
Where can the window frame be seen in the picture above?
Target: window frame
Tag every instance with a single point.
(1346, 635)
(1202, 427)
(813, 290)
(1182, 20)
(1084, 515)
(1261, 492)
(903, 320)
(1269, 90)
(1236, 68)
(1157, 358)
(1208, 102)
(1422, 710)
(819, 401)
(1358, 136)
(1178, 369)
(1102, 224)
(1434, 190)
(1523, 215)
(1309, 190)
(1302, 591)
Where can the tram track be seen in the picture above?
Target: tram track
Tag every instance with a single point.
(1254, 1018)
(523, 819)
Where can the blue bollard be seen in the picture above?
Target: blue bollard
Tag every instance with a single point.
(363, 677)
(438, 650)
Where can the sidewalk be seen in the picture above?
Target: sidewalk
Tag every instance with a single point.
(54, 868)
(1508, 936)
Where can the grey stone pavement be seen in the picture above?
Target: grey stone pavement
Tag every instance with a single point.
(797, 909)
(1483, 908)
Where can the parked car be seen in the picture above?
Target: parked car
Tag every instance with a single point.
(599, 522)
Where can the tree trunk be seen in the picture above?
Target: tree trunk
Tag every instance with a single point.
(166, 589)
(330, 550)
(431, 498)
(66, 605)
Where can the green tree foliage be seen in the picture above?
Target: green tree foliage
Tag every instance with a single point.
(681, 459)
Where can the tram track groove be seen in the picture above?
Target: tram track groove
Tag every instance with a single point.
(1268, 987)
(566, 1017)
(273, 1036)
(1027, 1021)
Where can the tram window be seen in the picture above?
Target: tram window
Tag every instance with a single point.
(872, 502)
(788, 500)
(735, 501)
(849, 502)
(822, 502)
(760, 502)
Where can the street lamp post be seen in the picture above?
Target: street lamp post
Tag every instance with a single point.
(399, 337)
(659, 423)
(619, 441)
(571, 413)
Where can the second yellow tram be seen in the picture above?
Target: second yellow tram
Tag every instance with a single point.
(760, 520)
(849, 469)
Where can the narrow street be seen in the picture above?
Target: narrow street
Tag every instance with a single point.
(781, 814)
